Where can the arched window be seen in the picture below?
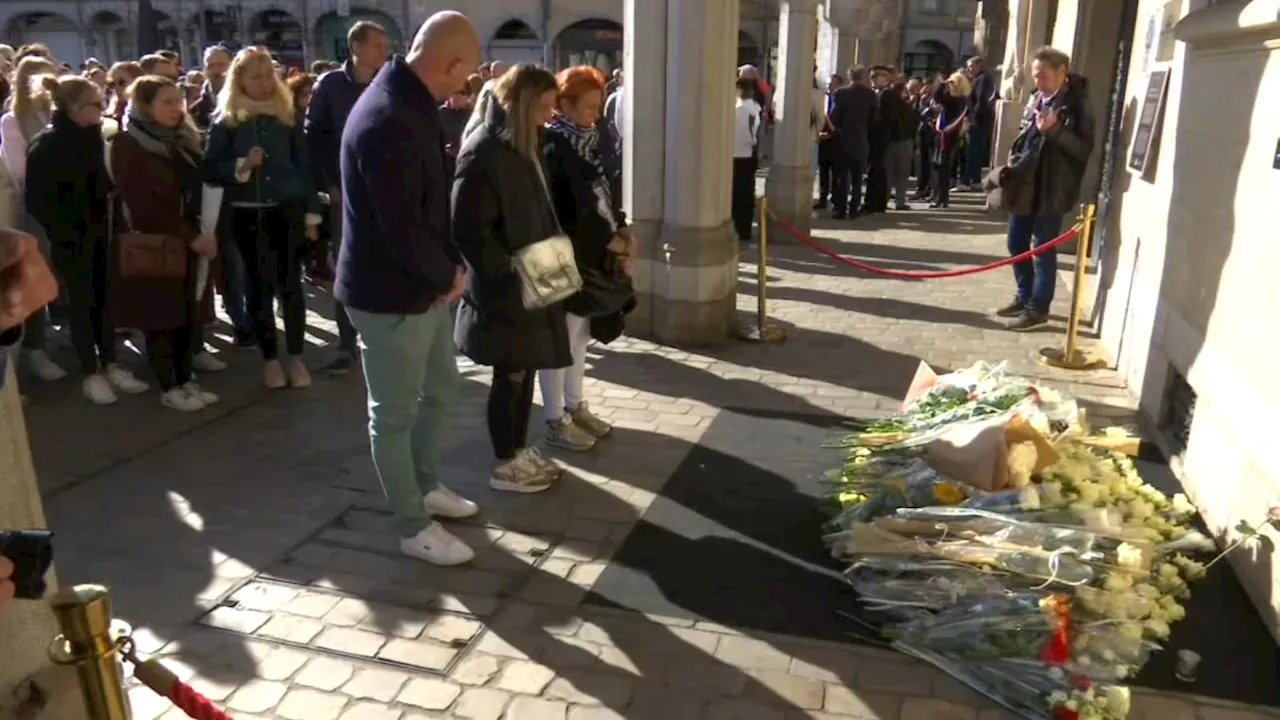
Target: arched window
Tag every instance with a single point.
(515, 30)
(590, 42)
(928, 58)
(281, 33)
(331, 33)
(55, 30)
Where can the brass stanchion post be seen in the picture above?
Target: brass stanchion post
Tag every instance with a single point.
(92, 642)
(1071, 357)
(762, 331)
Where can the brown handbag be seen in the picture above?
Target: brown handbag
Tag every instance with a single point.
(148, 255)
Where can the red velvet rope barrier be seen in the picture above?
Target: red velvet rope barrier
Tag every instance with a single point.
(923, 274)
(164, 683)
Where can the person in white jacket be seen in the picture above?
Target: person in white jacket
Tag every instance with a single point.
(26, 114)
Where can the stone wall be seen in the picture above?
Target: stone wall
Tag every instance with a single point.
(1193, 253)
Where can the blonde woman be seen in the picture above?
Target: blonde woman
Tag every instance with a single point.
(950, 101)
(119, 78)
(255, 149)
(27, 113)
(67, 192)
(501, 204)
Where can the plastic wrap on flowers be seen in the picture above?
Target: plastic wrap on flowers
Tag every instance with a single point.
(1043, 584)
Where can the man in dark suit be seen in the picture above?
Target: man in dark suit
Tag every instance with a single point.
(827, 144)
(852, 109)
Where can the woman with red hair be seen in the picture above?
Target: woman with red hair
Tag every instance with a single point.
(587, 199)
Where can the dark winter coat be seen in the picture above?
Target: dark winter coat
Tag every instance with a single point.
(853, 111)
(158, 194)
(1061, 155)
(500, 205)
(67, 183)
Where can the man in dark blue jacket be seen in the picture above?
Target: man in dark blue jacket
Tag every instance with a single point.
(332, 99)
(398, 272)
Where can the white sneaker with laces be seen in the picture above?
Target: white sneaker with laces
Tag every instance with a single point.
(437, 546)
(585, 419)
(547, 465)
(123, 381)
(181, 400)
(204, 361)
(98, 390)
(42, 366)
(445, 503)
(204, 396)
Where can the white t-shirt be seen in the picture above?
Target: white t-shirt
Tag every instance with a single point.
(746, 129)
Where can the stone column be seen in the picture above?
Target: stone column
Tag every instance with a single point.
(644, 63)
(26, 627)
(791, 174)
(836, 46)
(1027, 24)
(680, 59)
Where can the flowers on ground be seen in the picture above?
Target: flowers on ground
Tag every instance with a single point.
(1046, 588)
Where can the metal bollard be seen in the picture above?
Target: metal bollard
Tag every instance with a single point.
(1071, 357)
(92, 642)
(762, 332)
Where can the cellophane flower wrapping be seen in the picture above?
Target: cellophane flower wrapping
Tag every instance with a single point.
(1046, 596)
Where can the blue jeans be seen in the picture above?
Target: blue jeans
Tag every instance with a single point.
(412, 378)
(977, 154)
(1036, 278)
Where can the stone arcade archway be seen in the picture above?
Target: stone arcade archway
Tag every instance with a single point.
(593, 41)
(280, 32)
(928, 58)
(515, 42)
(331, 32)
(107, 38)
(55, 30)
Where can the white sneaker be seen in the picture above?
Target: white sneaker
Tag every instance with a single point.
(436, 546)
(42, 366)
(182, 400)
(123, 381)
(98, 390)
(547, 465)
(445, 503)
(204, 396)
(204, 361)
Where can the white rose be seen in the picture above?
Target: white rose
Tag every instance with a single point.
(1118, 700)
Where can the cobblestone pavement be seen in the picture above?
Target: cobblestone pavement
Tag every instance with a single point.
(246, 544)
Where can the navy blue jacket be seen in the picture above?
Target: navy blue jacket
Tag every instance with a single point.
(284, 175)
(397, 255)
(334, 96)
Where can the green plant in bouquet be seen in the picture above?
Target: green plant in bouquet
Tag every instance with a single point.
(1111, 702)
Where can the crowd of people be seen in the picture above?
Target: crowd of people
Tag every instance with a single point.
(423, 190)
(449, 206)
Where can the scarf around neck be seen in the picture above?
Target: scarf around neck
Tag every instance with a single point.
(173, 142)
(585, 142)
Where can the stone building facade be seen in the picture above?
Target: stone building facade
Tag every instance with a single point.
(1180, 287)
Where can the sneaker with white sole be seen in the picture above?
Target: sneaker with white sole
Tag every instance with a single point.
(585, 419)
(182, 400)
(204, 361)
(566, 435)
(548, 465)
(98, 390)
(123, 381)
(204, 396)
(436, 546)
(42, 366)
(445, 503)
(521, 474)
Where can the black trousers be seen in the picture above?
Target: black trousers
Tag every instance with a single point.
(169, 353)
(83, 267)
(846, 183)
(924, 166)
(877, 199)
(744, 196)
(510, 405)
(944, 167)
(826, 169)
(270, 241)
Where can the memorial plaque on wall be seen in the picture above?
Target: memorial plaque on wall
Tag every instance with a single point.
(1144, 137)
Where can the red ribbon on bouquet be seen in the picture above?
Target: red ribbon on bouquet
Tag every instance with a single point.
(1057, 649)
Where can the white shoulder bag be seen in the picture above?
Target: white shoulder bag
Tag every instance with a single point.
(548, 269)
